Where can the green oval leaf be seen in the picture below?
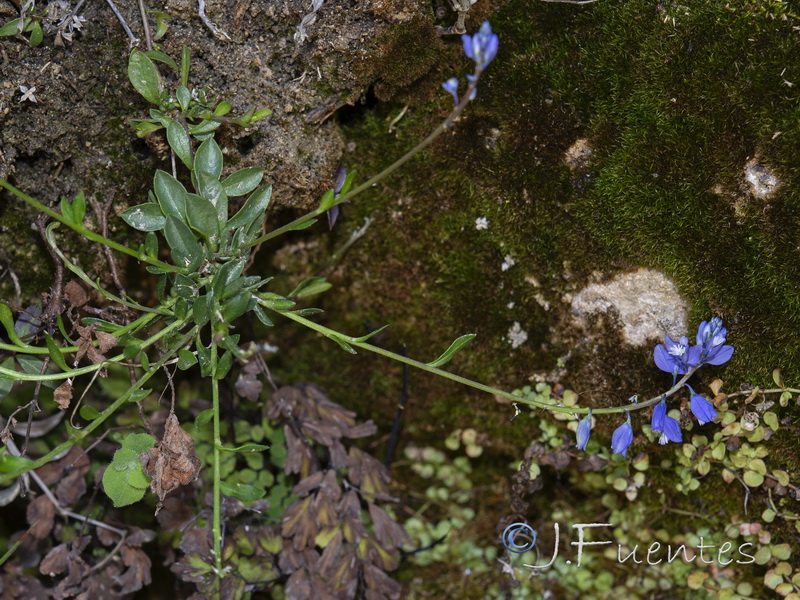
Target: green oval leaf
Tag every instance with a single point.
(171, 194)
(208, 158)
(212, 190)
(223, 366)
(186, 252)
(203, 216)
(241, 491)
(226, 274)
(144, 77)
(243, 181)
(204, 127)
(253, 209)
(37, 35)
(144, 217)
(204, 418)
(186, 359)
(179, 141)
(10, 28)
(236, 306)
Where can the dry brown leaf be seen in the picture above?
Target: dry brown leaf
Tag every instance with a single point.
(105, 341)
(40, 515)
(72, 487)
(138, 574)
(75, 293)
(387, 528)
(173, 462)
(63, 395)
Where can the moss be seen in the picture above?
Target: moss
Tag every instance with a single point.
(672, 112)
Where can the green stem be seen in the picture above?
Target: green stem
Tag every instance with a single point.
(480, 386)
(217, 521)
(140, 322)
(112, 408)
(451, 118)
(80, 273)
(85, 232)
(760, 391)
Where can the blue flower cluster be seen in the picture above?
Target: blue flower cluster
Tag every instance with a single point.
(480, 48)
(678, 358)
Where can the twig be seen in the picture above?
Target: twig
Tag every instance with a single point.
(148, 40)
(201, 12)
(33, 406)
(134, 40)
(54, 302)
(14, 451)
(101, 212)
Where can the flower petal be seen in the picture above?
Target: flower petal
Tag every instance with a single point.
(664, 360)
(583, 431)
(721, 356)
(702, 409)
(622, 438)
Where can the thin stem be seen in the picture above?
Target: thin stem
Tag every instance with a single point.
(480, 386)
(112, 408)
(216, 525)
(760, 391)
(140, 322)
(87, 233)
(451, 118)
(80, 273)
(143, 13)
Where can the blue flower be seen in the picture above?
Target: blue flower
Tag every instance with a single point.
(584, 428)
(451, 85)
(701, 408)
(481, 47)
(668, 427)
(711, 339)
(622, 437)
(676, 357)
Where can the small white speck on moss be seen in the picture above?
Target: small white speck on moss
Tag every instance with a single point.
(508, 262)
(481, 223)
(517, 335)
